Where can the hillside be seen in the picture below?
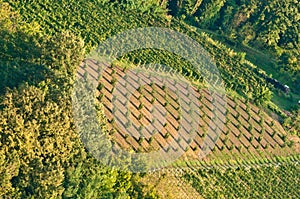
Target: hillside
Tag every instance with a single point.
(248, 138)
(248, 133)
(271, 25)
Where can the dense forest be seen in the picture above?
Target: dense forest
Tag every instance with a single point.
(41, 153)
(271, 25)
(43, 42)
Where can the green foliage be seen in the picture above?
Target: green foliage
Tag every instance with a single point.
(39, 132)
(191, 6)
(271, 24)
(144, 6)
(292, 124)
(40, 151)
(208, 14)
(18, 46)
(263, 182)
(41, 155)
(94, 27)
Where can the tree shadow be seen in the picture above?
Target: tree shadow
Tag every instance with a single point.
(20, 60)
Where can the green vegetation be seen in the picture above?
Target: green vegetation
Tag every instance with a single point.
(267, 181)
(42, 44)
(272, 24)
(95, 27)
(41, 153)
(267, 31)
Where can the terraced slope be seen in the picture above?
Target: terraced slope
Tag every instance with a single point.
(151, 118)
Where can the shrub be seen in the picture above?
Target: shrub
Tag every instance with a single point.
(128, 124)
(114, 81)
(112, 132)
(225, 139)
(250, 128)
(259, 139)
(251, 139)
(201, 97)
(153, 100)
(267, 146)
(141, 106)
(273, 134)
(248, 109)
(141, 128)
(140, 89)
(112, 121)
(141, 139)
(140, 96)
(141, 115)
(283, 137)
(178, 139)
(153, 120)
(100, 87)
(261, 121)
(151, 140)
(114, 98)
(239, 148)
(152, 110)
(101, 95)
(166, 104)
(291, 143)
(167, 135)
(126, 136)
(227, 132)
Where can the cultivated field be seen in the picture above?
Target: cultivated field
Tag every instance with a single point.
(151, 119)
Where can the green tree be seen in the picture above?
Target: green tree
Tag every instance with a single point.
(41, 153)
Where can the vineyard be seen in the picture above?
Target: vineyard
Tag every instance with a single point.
(228, 129)
(150, 120)
(94, 27)
(282, 181)
(266, 181)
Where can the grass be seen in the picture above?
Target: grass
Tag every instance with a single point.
(286, 102)
(265, 62)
